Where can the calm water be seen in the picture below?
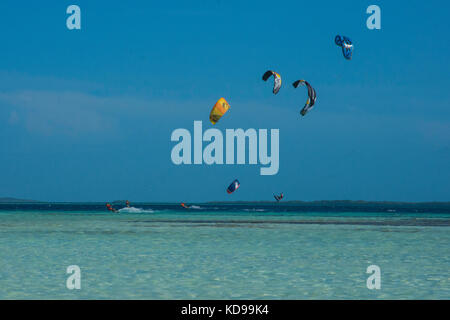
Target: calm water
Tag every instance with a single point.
(224, 252)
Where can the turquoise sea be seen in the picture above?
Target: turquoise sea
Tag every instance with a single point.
(219, 251)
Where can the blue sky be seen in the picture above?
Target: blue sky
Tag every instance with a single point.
(86, 115)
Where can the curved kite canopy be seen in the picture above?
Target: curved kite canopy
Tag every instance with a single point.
(278, 198)
(219, 109)
(346, 45)
(311, 96)
(233, 186)
(277, 80)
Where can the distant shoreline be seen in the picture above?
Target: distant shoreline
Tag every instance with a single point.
(10, 200)
(15, 200)
(346, 202)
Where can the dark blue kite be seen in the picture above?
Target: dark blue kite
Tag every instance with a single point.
(233, 186)
(346, 45)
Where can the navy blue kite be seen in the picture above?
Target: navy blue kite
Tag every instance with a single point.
(233, 186)
(346, 45)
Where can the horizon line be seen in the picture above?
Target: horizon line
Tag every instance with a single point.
(11, 200)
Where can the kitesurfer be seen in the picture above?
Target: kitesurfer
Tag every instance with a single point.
(110, 208)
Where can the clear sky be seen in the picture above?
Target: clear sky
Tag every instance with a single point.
(86, 115)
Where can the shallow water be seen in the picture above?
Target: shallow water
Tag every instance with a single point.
(217, 254)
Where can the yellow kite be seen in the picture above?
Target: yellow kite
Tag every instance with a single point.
(219, 109)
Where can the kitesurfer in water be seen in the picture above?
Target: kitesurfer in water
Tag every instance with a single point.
(127, 204)
(110, 208)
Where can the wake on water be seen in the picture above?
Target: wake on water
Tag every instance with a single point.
(135, 210)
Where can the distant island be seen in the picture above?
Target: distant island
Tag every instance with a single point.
(334, 202)
(15, 200)
(299, 203)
